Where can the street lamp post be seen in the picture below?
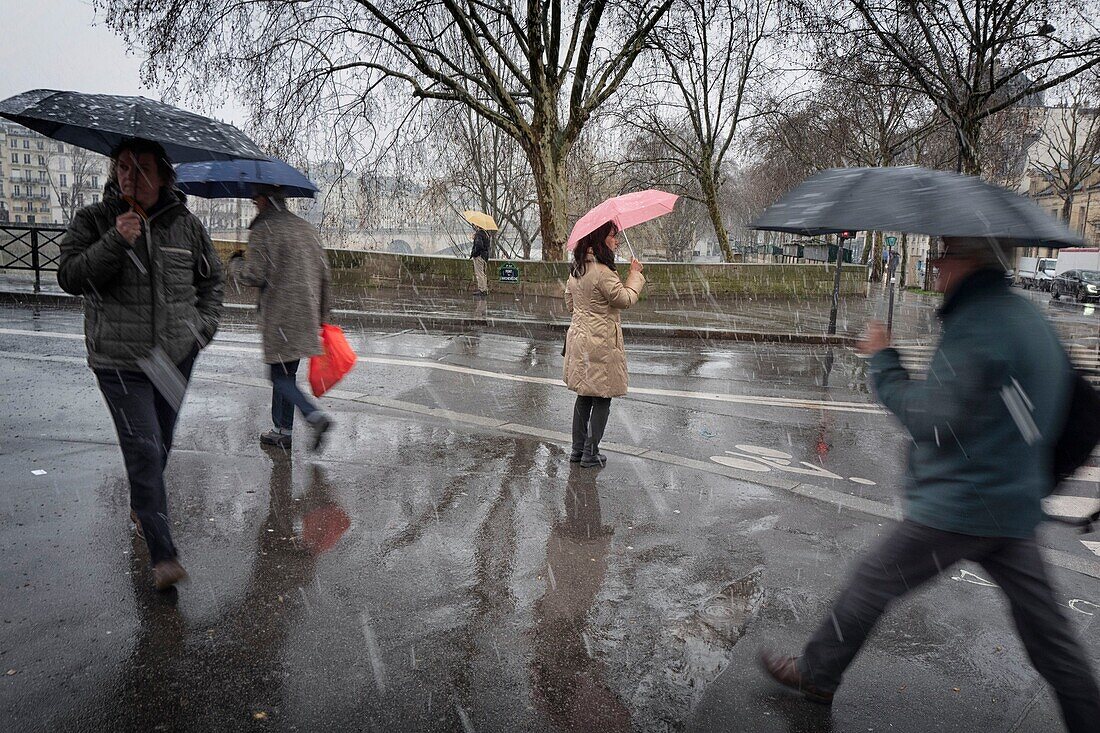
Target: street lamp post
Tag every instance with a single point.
(891, 270)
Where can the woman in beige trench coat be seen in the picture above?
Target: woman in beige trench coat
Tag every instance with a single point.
(595, 360)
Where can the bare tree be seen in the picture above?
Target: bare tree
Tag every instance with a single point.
(480, 167)
(70, 174)
(650, 162)
(874, 117)
(975, 58)
(293, 61)
(859, 113)
(704, 76)
(1070, 139)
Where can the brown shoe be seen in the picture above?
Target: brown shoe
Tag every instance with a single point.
(167, 573)
(137, 525)
(784, 670)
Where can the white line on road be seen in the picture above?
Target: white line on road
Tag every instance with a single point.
(865, 408)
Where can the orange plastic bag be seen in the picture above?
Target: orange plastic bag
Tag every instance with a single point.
(330, 367)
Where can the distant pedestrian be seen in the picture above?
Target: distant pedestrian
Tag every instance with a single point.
(286, 261)
(595, 358)
(982, 426)
(152, 286)
(480, 255)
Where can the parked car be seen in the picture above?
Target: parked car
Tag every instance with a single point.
(1080, 285)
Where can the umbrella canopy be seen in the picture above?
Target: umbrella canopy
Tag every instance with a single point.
(236, 179)
(480, 220)
(100, 122)
(626, 211)
(912, 199)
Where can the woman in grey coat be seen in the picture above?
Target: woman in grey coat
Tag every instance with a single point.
(286, 261)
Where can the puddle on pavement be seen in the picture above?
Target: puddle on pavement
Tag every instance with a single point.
(691, 651)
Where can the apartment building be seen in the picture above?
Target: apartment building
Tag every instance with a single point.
(43, 181)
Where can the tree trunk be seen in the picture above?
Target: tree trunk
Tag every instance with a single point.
(1067, 207)
(968, 134)
(865, 255)
(933, 252)
(876, 258)
(551, 188)
(710, 194)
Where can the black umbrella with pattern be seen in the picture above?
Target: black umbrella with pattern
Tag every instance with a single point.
(99, 122)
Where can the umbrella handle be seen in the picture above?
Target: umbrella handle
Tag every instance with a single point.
(629, 245)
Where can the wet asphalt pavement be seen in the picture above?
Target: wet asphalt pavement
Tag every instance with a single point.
(441, 566)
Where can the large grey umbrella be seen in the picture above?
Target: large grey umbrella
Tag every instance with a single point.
(913, 199)
(100, 122)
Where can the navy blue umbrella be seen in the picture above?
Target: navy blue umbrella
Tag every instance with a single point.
(235, 179)
(100, 122)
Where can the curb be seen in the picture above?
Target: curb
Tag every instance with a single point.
(510, 326)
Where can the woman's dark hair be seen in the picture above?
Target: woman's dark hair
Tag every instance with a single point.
(595, 243)
(139, 146)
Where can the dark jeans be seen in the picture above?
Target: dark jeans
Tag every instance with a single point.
(589, 421)
(145, 423)
(285, 395)
(913, 554)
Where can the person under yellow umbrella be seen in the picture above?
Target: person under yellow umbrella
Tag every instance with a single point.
(482, 223)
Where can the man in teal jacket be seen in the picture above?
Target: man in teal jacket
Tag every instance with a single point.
(983, 425)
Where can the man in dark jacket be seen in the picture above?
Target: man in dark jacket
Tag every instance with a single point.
(983, 426)
(480, 256)
(287, 263)
(152, 287)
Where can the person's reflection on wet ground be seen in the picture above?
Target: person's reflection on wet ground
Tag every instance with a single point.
(568, 684)
(236, 659)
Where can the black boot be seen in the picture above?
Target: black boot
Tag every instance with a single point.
(582, 408)
(591, 456)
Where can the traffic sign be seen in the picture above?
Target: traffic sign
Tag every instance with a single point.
(509, 273)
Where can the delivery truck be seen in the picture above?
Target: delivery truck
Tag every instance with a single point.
(1077, 258)
(1035, 273)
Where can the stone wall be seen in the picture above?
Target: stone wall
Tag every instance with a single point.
(381, 269)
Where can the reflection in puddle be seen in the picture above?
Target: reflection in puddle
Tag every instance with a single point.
(569, 684)
(692, 650)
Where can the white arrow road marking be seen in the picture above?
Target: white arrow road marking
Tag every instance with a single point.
(968, 577)
(1093, 547)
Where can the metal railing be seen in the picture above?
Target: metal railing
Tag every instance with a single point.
(30, 247)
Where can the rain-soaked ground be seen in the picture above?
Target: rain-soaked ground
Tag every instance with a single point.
(441, 566)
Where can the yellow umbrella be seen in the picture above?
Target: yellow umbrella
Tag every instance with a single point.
(480, 220)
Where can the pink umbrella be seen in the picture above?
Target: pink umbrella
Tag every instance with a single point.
(626, 211)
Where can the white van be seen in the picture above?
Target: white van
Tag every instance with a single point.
(1036, 272)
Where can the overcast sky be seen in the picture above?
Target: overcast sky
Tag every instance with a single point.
(61, 44)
